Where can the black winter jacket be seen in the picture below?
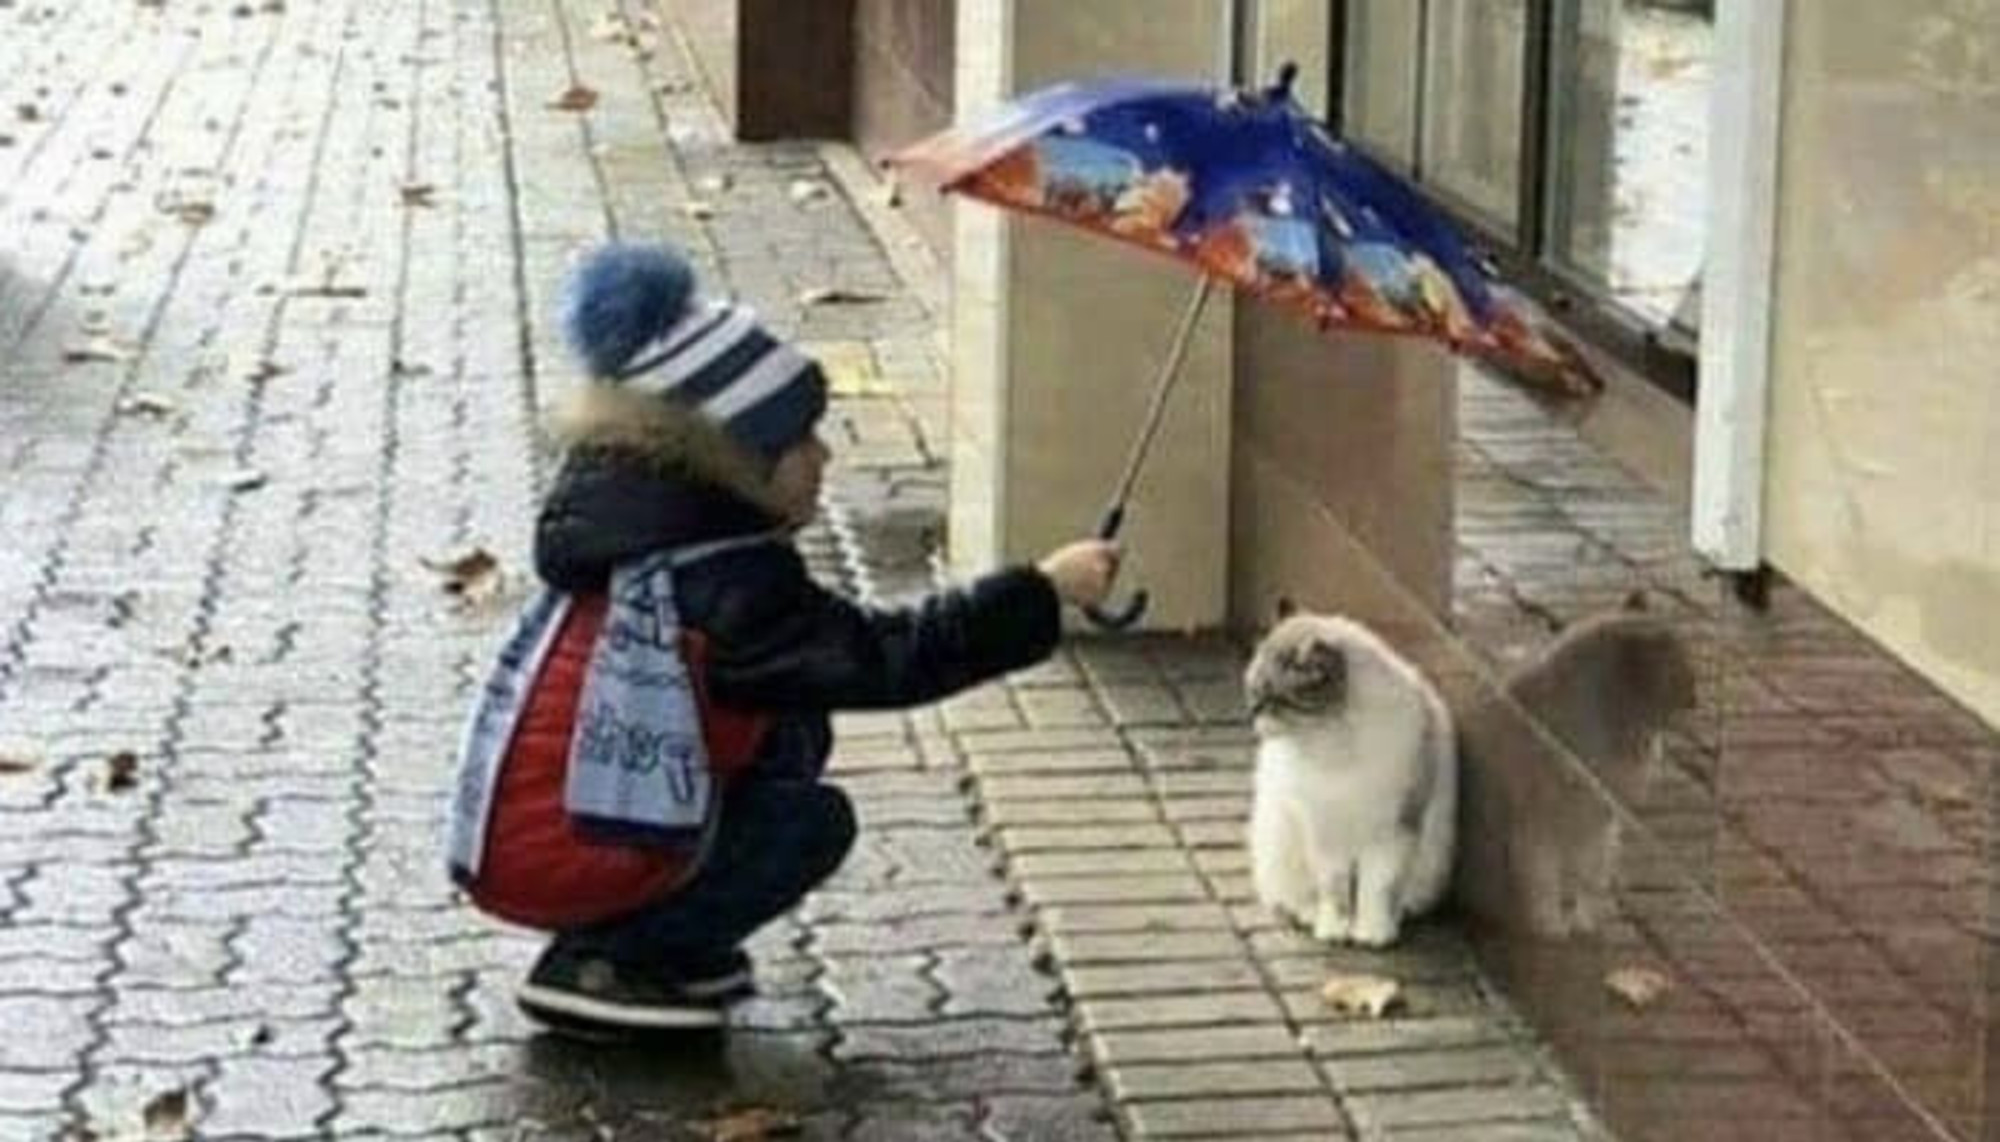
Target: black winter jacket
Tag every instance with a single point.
(779, 642)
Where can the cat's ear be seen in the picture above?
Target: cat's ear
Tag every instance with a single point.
(1285, 609)
(1636, 602)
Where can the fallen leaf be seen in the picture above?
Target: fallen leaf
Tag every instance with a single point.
(751, 1125)
(14, 764)
(1367, 995)
(1638, 987)
(245, 480)
(194, 213)
(243, 11)
(577, 98)
(840, 295)
(699, 211)
(473, 575)
(28, 112)
(419, 194)
(165, 1115)
(261, 369)
(121, 773)
(147, 404)
(99, 348)
(804, 190)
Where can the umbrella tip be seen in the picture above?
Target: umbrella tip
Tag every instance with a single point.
(1288, 74)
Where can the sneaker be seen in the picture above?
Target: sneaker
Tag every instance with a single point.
(715, 976)
(580, 993)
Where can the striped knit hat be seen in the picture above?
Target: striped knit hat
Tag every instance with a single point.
(632, 320)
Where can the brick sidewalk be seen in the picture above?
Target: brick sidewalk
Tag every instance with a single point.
(256, 373)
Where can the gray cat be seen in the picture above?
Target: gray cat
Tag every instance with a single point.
(1604, 690)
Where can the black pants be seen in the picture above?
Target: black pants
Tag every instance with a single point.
(779, 838)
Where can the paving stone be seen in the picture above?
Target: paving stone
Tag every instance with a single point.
(1415, 1070)
(1153, 918)
(916, 1124)
(1023, 814)
(1457, 1107)
(979, 744)
(992, 981)
(1214, 1009)
(264, 1097)
(1048, 708)
(1139, 1082)
(947, 931)
(1069, 838)
(1087, 948)
(1251, 1117)
(1419, 1001)
(954, 1079)
(1034, 867)
(1341, 1039)
(1105, 786)
(873, 989)
(1021, 1118)
(1108, 760)
(902, 904)
(1114, 889)
(1172, 977)
(948, 1038)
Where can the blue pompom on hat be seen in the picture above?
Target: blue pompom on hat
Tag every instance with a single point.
(632, 319)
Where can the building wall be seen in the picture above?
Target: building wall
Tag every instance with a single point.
(1883, 491)
(903, 90)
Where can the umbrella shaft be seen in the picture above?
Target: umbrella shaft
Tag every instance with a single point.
(1163, 387)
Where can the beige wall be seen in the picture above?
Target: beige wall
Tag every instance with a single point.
(1057, 335)
(1883, 491)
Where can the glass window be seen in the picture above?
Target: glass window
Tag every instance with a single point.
(1379, 89)
(1475, 73)
(1629, 151)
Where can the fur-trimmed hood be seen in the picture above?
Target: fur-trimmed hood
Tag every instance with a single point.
(670, 439)
(641, 475)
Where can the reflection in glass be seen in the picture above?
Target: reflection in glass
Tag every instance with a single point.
(1475, 66)
(1379, 94)
(1628, 189)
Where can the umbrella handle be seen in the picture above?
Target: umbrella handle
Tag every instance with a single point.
(1128, 613)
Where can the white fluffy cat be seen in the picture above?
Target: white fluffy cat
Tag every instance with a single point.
(1357, 782)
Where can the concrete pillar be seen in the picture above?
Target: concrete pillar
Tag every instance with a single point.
(1056, 335)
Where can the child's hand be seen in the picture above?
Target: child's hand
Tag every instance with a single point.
(1083, 572)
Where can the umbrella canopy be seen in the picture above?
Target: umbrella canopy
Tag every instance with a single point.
(1257, 193)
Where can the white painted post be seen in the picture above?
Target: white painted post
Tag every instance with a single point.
(1737, 304)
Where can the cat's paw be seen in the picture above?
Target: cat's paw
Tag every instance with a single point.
(1331, 924)
(1373, 932)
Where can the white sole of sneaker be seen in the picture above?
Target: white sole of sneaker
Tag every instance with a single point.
(731, 986)
(614, 1017)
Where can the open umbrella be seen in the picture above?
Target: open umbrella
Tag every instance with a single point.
(1254, 192)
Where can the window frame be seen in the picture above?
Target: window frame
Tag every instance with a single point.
(1664, 355)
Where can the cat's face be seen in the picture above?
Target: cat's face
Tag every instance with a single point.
(1300, 670)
